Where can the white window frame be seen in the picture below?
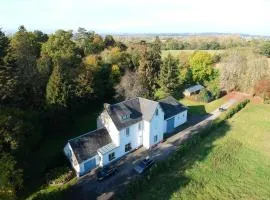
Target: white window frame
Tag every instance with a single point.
(111, 156)
(127, 131)
(128, 149)
(155, 138)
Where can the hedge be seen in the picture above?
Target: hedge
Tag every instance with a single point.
(138, 184)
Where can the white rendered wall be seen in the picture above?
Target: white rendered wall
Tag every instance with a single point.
(180, 118)
(146, 134)
(81, 166)
(69, 153)
(105, 119)
(156, 127)
(104, 158)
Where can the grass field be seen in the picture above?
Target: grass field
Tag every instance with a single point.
(233, 162)
(202, 108)
(177, 52)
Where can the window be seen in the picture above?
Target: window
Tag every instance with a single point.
(139, 126)
(127, 147)
(156, 112)
(111, 156)
(155, 138)
(125, 117)
(127, 132)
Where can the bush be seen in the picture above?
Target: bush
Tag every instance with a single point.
(204, 96)
(59, 176)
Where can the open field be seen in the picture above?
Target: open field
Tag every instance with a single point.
(201, 108)
(233, 162)
(177, 52)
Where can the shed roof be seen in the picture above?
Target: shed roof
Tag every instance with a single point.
(171, 107)
(194, 88)
(86, 146)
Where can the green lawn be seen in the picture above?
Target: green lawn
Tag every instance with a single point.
(202, 108)
(233, 162)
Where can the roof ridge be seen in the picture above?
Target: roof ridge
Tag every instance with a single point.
(86, 134)
(147, 99)
(124, 101)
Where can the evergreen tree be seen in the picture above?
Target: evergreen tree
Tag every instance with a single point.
(57, 90)
(4, 43)
(150, 61)
(169, 74)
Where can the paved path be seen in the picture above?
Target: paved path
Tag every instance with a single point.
(89, 188)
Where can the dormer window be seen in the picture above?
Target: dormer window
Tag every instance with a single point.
(125, 117)
(156, 112)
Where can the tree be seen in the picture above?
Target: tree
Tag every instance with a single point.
(169, 74)
(201, 67)
(149, 68)
(115, 74)
(20, 68)
(129, 86)
(109, 41)
(213, 87)
(4, 44)
(242, 70)
(10, 176)
(265, 49)
(62, 49)
(57, 89)
(262, 88)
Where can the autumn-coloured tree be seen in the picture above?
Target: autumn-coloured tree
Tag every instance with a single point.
(262, 88)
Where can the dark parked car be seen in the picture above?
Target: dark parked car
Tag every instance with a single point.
(144, 165)
(106, 172)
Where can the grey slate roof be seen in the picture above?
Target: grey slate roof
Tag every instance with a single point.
(137, 108)
(194, 88)
(86, 146)
(171, 107)
(107, 148)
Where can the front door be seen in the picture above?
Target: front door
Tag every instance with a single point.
(170, 125)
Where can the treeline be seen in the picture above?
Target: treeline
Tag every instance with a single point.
(43, 80)
(157, 78)
(210, 43)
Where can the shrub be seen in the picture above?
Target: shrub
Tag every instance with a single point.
(204, 96)
(59, 176)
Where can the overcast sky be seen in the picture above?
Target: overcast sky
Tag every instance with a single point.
(139, 16)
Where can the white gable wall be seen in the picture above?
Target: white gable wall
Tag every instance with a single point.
(156, 127)
(104, 158)
(71, 156)
(133, 138)
(105, 120)
(180, 118)
(146, 134)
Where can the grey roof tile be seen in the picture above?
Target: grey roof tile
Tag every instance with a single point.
(86, 146)
(171, 107)
(137, 109)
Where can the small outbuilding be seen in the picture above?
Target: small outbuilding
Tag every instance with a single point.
(195, 89)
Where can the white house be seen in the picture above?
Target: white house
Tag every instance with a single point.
(124, 127)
